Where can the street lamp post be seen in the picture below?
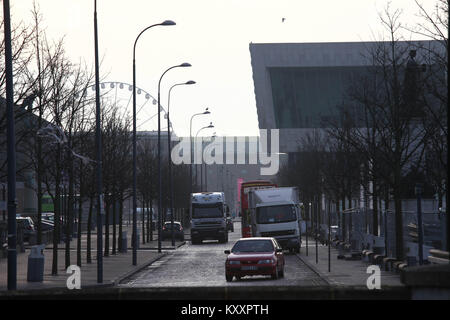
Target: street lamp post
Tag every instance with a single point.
(206, 127)
(206, 172)
(170, 156)
(134, 233)
(11, 153)
(159, 151)
(191, 144)
(98, 144)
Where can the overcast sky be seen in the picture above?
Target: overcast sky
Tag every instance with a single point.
(212, 35)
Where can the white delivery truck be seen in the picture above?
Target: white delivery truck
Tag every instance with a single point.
(275, 212)
(208, 213)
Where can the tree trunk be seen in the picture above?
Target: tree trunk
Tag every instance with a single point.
(80, 213)
(143, 220)
(119, 245)
(350, 218)
(146, 205)
(114, 240)
(338, 214)
(56, 232)
(398, 224)
(69, 222)
(344, 227)
(151, 219)
(107, 204)
(375, 208)
(89, 227)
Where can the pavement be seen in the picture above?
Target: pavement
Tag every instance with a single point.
(115, 266)
(351, 273)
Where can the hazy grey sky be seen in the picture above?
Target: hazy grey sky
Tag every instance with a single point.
(212, 35)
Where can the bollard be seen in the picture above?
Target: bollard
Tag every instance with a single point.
(341, 249)
(123, 248)
(36, 264)
(411, 261)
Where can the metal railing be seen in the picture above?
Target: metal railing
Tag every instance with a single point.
(356, 227)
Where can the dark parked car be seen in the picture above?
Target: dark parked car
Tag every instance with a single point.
(47, 225)
(254, 256)
(178, 232)
(28, 227)
(48, 216)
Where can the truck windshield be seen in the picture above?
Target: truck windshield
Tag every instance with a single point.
(214, 210)
(275, 214)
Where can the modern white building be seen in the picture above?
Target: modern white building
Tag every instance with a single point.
(299, 86)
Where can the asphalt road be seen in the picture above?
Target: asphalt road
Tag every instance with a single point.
(204, 265)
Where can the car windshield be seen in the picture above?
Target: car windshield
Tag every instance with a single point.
(253, 246)
(275, 214)
(169, 226)
(48, 217)
(214, 210)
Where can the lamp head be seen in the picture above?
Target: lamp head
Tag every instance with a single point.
(185, 64)
(210, 125)
(206, 111)
(191, 82)
(168, 23)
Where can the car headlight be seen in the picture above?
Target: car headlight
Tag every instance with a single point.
(234, 262)
(266, 261)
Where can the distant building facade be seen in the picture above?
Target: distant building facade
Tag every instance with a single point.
(300, 86)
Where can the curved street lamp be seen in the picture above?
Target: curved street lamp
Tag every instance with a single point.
(214, 136)
(183, 65)
(134, 240)
(170, 155)
(191, 143)
(201, 179)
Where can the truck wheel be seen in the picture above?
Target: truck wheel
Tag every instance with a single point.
(224, 238)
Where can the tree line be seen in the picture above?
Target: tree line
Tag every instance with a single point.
(390, 131)
(55, 140)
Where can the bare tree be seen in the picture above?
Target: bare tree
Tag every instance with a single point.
(146, 168)
(393, 138)
(64, 85)
(116, 164)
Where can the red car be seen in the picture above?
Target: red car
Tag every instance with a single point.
(254, 256)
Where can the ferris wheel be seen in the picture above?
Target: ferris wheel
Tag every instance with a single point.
(120, 94)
